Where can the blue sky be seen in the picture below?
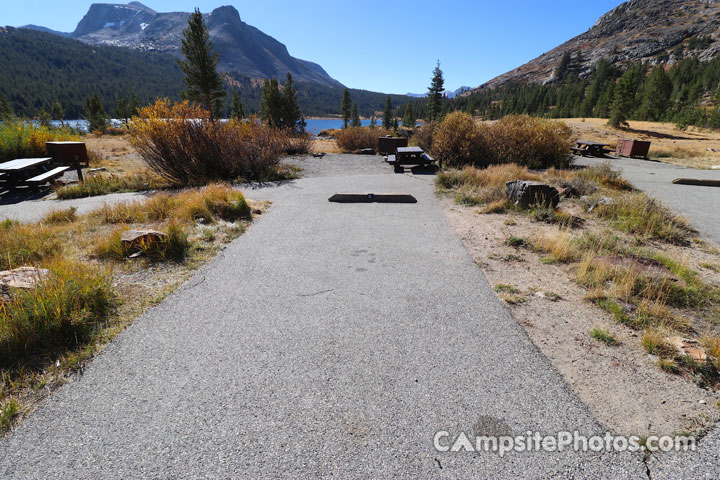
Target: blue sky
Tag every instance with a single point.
(387, 46)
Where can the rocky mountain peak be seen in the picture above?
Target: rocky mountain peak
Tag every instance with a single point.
(653, 31)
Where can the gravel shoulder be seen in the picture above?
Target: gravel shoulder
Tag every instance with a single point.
(328, 341)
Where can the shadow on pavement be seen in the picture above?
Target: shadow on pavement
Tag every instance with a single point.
(12, 197)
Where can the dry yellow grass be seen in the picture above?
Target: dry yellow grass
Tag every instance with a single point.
(696, 148)
(115, 153)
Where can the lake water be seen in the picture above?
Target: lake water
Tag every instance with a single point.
(314, 125)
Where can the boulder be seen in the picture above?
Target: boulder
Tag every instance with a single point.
(23, 277)
(132, 239)
(525, 194)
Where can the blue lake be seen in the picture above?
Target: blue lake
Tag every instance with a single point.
(314, 125)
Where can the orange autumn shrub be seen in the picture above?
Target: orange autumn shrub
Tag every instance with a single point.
(178, 143)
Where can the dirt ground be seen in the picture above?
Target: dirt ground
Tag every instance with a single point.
(622, 385)
(115, 153)
(693, 147)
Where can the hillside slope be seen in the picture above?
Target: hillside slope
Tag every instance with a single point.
(653, 31)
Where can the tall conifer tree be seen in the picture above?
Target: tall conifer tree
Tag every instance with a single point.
(204, 84)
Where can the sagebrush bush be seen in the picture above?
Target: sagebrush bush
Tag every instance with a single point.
(19, 139)
(293, 143)
(357, 138)
(65, 310)
(424, 136)
(532, 142)
(458, 141)
(179, 144)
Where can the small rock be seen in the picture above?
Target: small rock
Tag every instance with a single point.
(540, 294)
(688, 347)
(715, 167)
(135, 238)
(602, 201)
(702, 402)
(5, 295)
(367, 151)
(525, 193)
(23, 277)
(318, 155)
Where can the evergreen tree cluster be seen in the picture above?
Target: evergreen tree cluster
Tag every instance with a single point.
(280, 109)
(680, 94)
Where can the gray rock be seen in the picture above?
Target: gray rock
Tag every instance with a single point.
(525, 193)
(23, 277)
(5, 295)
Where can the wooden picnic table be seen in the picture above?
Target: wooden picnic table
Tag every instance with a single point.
(410, 156)
(594, 149)
(29, 171)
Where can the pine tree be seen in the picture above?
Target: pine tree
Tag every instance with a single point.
(236, 108)
(435, 94)
(292, 116)
(133, 104)
(387, 114)
(657, 95)
(355, 116)
(58, 113)
(122, 110)
(95, 114)
(409, 117)
(204, 84)
(373, 123)
(346, 107)
(44, 117)
(561, 70)
(6, 110)
(271, 105)
(624, 100)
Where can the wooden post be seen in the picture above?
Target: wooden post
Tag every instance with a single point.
(78, 168)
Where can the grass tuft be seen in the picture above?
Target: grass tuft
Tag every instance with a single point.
(63, 311)
(604, 336)
(61, 216)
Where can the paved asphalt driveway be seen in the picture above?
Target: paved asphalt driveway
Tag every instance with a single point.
(328, 341)
(701, 205)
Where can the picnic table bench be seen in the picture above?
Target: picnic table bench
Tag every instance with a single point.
(593, 149)
(414, 156)
(29, 171)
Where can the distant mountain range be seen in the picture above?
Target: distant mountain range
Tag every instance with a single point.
(448, 93)
(244, 50)
(653, 31)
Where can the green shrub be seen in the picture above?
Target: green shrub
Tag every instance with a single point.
(19, 139)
